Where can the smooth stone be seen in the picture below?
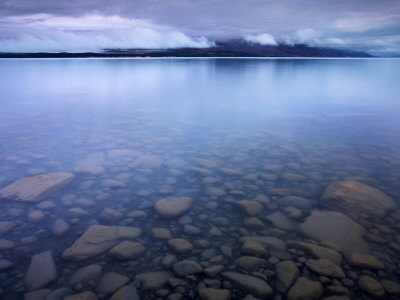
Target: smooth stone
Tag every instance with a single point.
(127, 292)
(127, 250)
(250, 207)
(168, 261)
(59, 294)
(59, 227)
(365, 261)
(153, 280)
(41, 271)
(122, 153)
(6, 244)
(187, 267)
(214, 294)
(35, 216)
(110, 282)
(391, 287)
(173, 207)
(214, 232)
(337, 228)
(213, 270)
(262, 199)
(249, 263)
(286, 273)
(180, 245)
(325, 267)
(110, 216)
(354, 196)
(6, 227)
(371, 286)
(230, 172)
(191, 230)
(320, 252)
(36, 188)
(270, 242)
(85, 274)
(47, 204)
(82, 296)
(305, 289)
(253, 248)
(37, 295)
(161, 233)
(90, 170)
(97, 239)
(295, 201)
(293, 212)
(254, 223)
(281, 221)
(250, 284)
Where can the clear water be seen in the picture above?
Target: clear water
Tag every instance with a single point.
(315, 121)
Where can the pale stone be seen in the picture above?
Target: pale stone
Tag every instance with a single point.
(41, 271)
(250, 207)
(110, 282)
(305, 289)
(127, 250)
(161, 233)
(6, 227)
(82, 296)
(180, 245)
(35, 216)
(36, 188)
(271, 242)
(187, 267)
(320, 252)
(98, 239)
(85, 274)
(350, 195)
(147, 162)
(337, 228)
(325, 267)
(253, 248)
(127, 292)
(173, 207)
(249, 263)
(281, 221)
(153, 280)
(250, 284)
(286, 273)
(214, 294)
(364, 261)
(371, 286)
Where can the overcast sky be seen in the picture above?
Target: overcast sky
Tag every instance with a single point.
(78, 25)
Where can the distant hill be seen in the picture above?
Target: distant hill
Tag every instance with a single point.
(232, 48)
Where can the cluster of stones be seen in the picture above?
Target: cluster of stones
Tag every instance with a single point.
(271, 247)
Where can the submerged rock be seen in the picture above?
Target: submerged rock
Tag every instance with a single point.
(337, 228)
(305, 289)
(127, 250)
(6, 227)
(250, 284)
(82, 296)
(36, 188)
(269, 241)
(249, 263)
(98, 239)
(350, 195)
(320, 252)
(286, 273)
(147, 162)
(153, 280)
(364, 261)
(325, 267)
(281, 221)
(187, 267)
(173, 207)
(250, 207)
(214, 294)
(371, 286)
(180, 245)
(85, 274)
(110, 282)
(41, 271)
(127, 292)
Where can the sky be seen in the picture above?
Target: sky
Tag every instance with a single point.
(93, 25)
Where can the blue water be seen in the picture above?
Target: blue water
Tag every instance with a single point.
(321, 119)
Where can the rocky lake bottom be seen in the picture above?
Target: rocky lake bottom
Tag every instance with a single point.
(199, 179)
(140, 211)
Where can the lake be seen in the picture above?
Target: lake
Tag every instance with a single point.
(199, 178)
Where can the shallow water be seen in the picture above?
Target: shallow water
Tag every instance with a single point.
(134, 131)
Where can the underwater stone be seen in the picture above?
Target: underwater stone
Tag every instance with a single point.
(98, 239)
(36, 188)
(350, 195)
(41, 271)
(173, 207)
(251, 284)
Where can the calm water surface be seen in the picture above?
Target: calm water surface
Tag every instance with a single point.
(253, 142)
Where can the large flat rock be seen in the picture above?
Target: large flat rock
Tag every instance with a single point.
(337, 228)
(41, 271)
(250, 284)
(97, 239)
(354, 196)
(36, 188)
